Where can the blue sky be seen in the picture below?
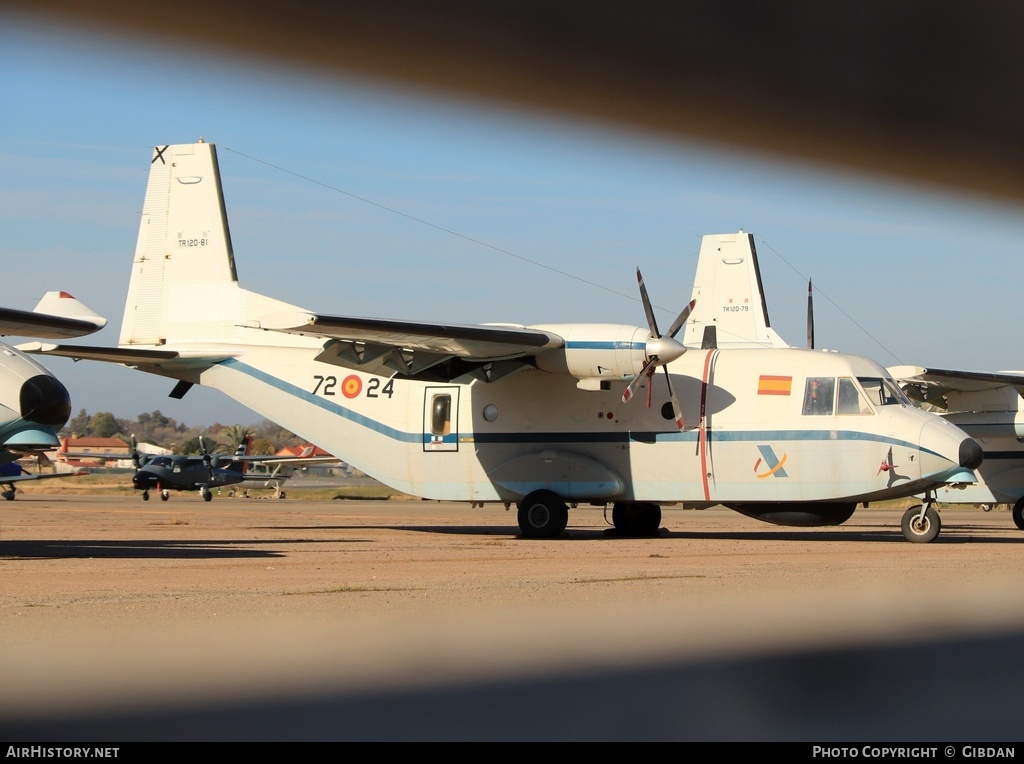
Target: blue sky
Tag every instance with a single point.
(356, 197)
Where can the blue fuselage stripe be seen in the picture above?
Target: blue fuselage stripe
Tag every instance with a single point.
(647, 437)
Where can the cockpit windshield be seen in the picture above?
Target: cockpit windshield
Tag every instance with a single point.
(883, 392)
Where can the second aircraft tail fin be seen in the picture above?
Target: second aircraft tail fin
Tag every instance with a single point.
(731, 310)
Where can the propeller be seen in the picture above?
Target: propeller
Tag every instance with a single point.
(207, 459)
(810, 317)
(660, 350)
(137, 459)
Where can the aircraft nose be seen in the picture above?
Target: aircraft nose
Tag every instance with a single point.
(971, 454)
(44, 400)
(948, 455)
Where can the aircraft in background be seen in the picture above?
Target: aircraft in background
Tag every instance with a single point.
(179, 472)
(988, 406)
(539, 416)
(34, 405)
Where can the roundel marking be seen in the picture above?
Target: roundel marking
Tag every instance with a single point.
(351, 386)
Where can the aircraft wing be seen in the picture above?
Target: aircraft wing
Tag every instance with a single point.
(36, 476)
(384, 346)
(930, 385)
(58, 315)
(470, 341)
(285, 459)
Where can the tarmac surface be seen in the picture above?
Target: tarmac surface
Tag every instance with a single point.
(261, 619)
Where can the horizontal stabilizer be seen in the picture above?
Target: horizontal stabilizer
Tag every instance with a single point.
(129, 356)
(58, 315)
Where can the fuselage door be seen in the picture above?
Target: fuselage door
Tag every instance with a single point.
(440, 419)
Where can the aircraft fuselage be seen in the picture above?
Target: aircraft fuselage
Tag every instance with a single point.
(746, 437)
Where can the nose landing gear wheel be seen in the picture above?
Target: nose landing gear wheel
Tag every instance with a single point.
(543, 515)
(145, 495)
(920, 529)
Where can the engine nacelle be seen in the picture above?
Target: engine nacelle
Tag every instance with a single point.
(596, 351)
(1008, 423)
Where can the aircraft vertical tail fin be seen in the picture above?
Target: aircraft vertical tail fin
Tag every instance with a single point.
(242, 450)
(184, 284)
(731, 310)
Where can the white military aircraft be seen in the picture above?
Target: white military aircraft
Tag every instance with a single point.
(538, 416)
(34, 405)
(988, 406)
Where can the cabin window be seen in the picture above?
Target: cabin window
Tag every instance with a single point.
(850, 400)
(176, 467)
(818, 395)
(441, 415)
(883, 392)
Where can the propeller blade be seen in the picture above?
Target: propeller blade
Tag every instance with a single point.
(136, 460)
(648, 309)
(206, 457)
(645, 373)
(810, 317)
(681, 319)
(676, 408)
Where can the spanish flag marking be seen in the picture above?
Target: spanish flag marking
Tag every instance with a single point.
(771, 385)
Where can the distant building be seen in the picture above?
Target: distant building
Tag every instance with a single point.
(92, 451)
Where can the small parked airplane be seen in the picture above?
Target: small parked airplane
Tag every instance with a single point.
(179, 472)
(537, 416)
(34, 405)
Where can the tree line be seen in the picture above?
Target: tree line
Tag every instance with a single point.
(163, 431)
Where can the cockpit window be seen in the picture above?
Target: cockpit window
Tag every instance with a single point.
(850, 399)
(818, 395)
(162, 461)
(883, 392)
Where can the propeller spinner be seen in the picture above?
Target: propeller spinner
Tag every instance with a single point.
(661, 349)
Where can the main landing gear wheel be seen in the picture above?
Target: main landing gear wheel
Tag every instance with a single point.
(636, 519)
(920, 529)
(165, 495)
(543, 515)
(1018, 513)
(205, 493)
